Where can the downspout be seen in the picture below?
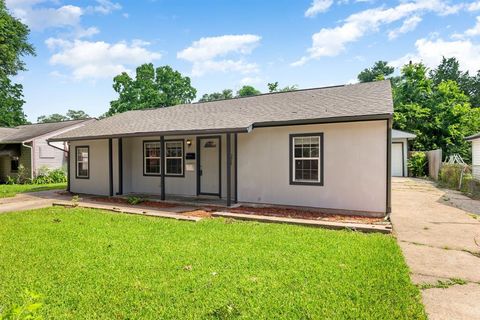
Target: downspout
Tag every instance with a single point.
(31, 158)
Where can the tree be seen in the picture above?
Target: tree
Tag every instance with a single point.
(71, 115)
(380, 71)
(14, 46)
(273, 87)
(151, 88)
(225, 94)
(247, 91)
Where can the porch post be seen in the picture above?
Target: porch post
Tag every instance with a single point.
(162, 167)
(68, 166)
(235, 147)
(229, 170)
(110, 165)
(120, 166)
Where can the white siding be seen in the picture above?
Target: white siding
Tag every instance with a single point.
(476, 158)
(355, 167)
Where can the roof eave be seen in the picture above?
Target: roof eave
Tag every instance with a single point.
(372, 117)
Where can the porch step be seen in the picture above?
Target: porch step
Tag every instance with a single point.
(386, 229)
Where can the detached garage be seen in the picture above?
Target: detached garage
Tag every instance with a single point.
(400, 152)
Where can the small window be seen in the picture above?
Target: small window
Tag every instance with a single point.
(151, 153)
(14, 163)
(174, 158)
(306, 159)
(82, 162)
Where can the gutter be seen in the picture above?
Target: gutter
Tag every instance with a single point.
(58, 148)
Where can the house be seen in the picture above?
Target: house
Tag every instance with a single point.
(475, 139)
(27, 145)
(325, 148)
(400, 152)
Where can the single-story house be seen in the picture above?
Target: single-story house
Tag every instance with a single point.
(475, 139)
(400, 152)
(326, 148)
(27, 145)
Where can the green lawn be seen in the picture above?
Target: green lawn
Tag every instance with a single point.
(10, 190)
(90, 264)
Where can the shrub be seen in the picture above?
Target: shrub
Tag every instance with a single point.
(20, 178)
(134, 200)
(418, 164)
(471, 186)
(449, 175)
(46, 175)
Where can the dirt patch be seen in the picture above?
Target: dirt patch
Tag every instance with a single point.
(198, 213)
(303, 214)
(147, 203)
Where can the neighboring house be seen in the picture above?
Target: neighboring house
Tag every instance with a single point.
(27, 145)
(475, 139)
(400, 152)
(326, 148)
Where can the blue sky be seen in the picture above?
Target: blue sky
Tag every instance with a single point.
(81, 45)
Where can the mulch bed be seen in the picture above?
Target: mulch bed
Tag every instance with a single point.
(303, 214)
(198, 213)
(146, 203)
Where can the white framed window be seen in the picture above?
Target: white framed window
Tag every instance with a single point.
(151, 158)
(174, 157)
(306, 159)
(82, 165)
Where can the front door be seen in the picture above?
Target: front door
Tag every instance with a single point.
(209, 165)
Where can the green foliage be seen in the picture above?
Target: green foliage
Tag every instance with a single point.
(273, 87)
(13, 47)
(46, 175)
(380, 71)
(136, 267)
(450, 175)
(71, 115)
(247, 91)
(133, 200)
(225, 94)
(417, 164)
(470, 186)
(151, 88)
(28, 310)
(75, 200)
(21, 177)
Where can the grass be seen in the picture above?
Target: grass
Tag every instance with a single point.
(443, 284)
(92, 264)
(10, 190)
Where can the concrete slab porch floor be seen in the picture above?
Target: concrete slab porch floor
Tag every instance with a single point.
(440, 239)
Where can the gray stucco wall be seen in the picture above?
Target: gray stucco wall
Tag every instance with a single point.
(354, 169)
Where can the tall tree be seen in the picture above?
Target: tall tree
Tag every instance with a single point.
(151, 88)
(247, 91)
(274, 87)
(225, 94)
(380, 71)
(14, 46)
(71, 115)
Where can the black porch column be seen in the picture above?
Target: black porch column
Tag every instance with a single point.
(120, 166)
(162, 167)
(110, 165)
(235, 147)
(229, 170)
(68, 166)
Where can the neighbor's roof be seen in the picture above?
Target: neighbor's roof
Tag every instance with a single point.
(372, 99)
(473, 137)
(398, 134)
(28, 132)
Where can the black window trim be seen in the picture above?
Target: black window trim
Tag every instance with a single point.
(165, 144)
(290, 159)
(76, 162)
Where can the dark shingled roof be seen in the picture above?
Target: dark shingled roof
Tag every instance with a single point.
(28, 132)
(242, 114)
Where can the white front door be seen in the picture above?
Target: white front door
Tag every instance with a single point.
(397, 159)
(209, 171)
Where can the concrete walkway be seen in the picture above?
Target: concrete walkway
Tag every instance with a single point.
(32, 200)
(440, 239)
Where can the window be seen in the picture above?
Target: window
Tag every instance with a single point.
(151, 153)
(174, 158)
(14, 163)
(306, 152)
(82, 162)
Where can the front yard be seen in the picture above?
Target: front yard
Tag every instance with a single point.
(10, 190)
(93, 264)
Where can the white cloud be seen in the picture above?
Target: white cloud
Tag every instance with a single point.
(211, 54)
(86, 33)
(43, 18)
(93, 60)
(251, 81)
(430, 52)
(105, 7)
(475, 31)
(329, 42)
(474, 6)
(408, 25)
(318, 6)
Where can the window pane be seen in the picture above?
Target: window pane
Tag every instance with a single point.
(174, 166)
(152, 166)
(152, 149)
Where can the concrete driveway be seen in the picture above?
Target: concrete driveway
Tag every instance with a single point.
(32, 200)
(439, 233)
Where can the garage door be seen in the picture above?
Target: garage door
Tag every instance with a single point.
(397, 159)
